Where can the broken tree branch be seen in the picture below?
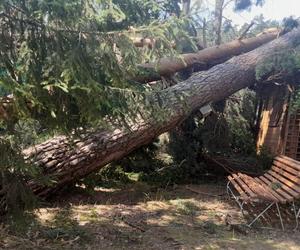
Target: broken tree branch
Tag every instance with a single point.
(68, 160)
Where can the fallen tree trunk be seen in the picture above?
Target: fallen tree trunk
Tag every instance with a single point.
(203, 59)
(69, 160)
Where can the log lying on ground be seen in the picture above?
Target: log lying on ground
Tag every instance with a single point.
(204, 58)
(68, 161)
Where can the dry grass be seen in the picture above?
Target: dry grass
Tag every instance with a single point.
(143, 218)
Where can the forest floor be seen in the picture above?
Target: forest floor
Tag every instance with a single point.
(142, 217)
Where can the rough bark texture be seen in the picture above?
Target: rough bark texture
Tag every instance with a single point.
(70, 160)
(218, 20)
(186, 6)
(204, 33)
(203, 59)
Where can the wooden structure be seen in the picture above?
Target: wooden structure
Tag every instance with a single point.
(279, 129)
(292, 141)
(279, 185)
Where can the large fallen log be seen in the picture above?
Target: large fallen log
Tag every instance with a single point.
(203, 59)
(68, 160)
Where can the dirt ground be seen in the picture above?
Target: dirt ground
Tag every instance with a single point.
(141, 217)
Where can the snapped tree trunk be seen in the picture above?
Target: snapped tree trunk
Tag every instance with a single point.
(203, 59)
(68, 160)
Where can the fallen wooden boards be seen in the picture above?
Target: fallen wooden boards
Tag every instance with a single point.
(280, 184)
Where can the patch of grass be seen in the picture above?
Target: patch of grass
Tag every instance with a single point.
(184, 207)
(133, 176)
(28, 231)
(64, 226)
(209, 227)
(90, 216)
(20, 224)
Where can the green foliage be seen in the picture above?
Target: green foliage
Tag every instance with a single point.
(175, 174)
(261, 24)
(295, 102)
(188, 135)
(276, 185)
(231, 131)
(140, 12)
(69, 65)
(290, 22)
(15, 196)
(184, 207)
(240, 115)
(241, 5)
(109, 176)
(283, 63)
(71, 61)
(64, 227)
(265, 158)
(148, 165)
(143, 159)
(214, 133)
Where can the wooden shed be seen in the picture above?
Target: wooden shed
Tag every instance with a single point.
(279, 129)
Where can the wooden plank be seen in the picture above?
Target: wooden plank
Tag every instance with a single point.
(286, 168)
(283, 190)
(243, 195)
(283, 186)
(285, 171)
(293, 190)
(244, 186)
(288, 176)
(260, 190)
(280, 192)
(289, 161)
(268, 189)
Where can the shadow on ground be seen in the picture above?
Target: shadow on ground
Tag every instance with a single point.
(142, 217)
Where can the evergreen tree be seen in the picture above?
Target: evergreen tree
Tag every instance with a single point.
(67, 66)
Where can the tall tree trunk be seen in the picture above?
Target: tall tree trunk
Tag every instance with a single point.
(186, 6)
(218, 20)
(204, 33)
(69, 160)
(203, 59)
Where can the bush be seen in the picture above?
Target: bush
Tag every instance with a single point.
(264, 158)
(108, 176)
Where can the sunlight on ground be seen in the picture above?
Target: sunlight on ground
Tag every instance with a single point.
(162, 219)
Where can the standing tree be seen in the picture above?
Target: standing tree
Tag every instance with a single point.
(218, 16)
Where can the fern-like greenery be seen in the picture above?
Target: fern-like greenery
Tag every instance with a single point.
(69, 64)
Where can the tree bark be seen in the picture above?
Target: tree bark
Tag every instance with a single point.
(203, 59)
(69, 160)
(204, 33)
(186, 6)
(218, 20)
